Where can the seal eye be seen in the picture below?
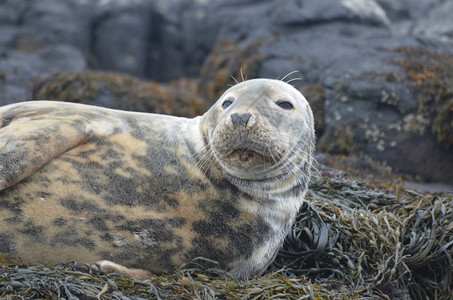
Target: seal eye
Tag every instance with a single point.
(286, 105)
(227, 102)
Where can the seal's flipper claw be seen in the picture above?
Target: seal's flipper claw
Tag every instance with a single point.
(107, 266)
(92, 269)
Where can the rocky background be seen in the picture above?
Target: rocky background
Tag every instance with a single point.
(378, 73)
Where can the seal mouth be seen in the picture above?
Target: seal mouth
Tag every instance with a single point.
(247, 155)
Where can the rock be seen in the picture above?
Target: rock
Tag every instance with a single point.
(281, 29)
(326, 11)
(121, 38)
(160, 40)
(62, 58)
(119, 91)
(48, 22)
(182, 39)
(8, 35)
(407, 10)
(438, 23)
(11, 12)
(363, 69)
(18, 69)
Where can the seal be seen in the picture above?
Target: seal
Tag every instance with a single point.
(144, 193)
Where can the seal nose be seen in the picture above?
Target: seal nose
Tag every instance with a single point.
(240, 119)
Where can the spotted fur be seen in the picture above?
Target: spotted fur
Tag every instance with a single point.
(150, 192)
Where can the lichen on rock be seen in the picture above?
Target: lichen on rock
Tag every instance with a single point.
(431, 75)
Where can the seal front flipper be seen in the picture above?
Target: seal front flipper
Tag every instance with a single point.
(31, 135)
(107, 266)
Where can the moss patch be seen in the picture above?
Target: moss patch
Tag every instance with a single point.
(316, 96)
(229, 62)
(430, 74)
(126, 92)
(338, 139)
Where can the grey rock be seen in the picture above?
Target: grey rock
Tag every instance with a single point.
(47, 22)
(62, 58)
(8, 34)
(177, 46)
(10, 12)
(121, 38)
(18, 69)
(403, 10)
(10, 94)
(404, 13)
(438, 23)
(161, 40)
(316, 12)
(357, 58)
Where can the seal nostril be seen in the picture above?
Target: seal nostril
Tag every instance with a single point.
(245, 118)
(240, 119)
(236, 119)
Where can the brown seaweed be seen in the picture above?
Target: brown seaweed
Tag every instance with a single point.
(352, 239)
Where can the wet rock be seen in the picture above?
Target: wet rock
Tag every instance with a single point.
(437, 23)
(160, 40)
(18, 69)
(8, 35)
(182, 39)
(121, 38)
(372, 97)
(47, 22)
(326, 11)
(407, 10)
(10, 13)
(62, 58)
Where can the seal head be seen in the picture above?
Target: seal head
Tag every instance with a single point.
(260, 133)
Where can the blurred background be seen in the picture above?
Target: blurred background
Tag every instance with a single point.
(377, 73)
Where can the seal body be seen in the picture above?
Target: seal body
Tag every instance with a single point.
(145, 192)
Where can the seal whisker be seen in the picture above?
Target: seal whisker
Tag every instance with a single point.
(313, 160)
(285, 160)
(242, 75)
(271, 154)
(294, 79)
(289, 74)
(205, 159)
(298, 155)
(300, 149)
(303, 157)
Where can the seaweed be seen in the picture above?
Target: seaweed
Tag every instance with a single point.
(356, 237)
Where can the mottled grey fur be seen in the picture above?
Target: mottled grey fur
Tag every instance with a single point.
(151, 192)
